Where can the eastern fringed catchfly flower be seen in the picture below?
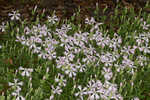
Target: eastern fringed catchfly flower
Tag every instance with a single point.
(55, 91)
(53, 19)
(2, 27)
(14, 15)
(90, 21)
(135, 98)
(60, 80)
(26, 71)
(81, 93)
(17, 94)
(107, 73)
(16, 84)
(144, 24)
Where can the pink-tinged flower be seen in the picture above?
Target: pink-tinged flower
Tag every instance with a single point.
(14, 15)
(145, 25)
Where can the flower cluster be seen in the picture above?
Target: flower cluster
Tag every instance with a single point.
(95, 90)
(35, 37)
(80, 53)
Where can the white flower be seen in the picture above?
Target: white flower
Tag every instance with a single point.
(115, 42)
(142, 60)
(111, 91)
(80, 38)
(26, 71)
(70, 70)
(56, 90)
(145, 25)
(127, 62)
(136, 98)
(0, 46)
(94, 96)
(128, 50)
(20, 98)
(69, 55)
(14, 15)
(96, 26)
(27, 30)
(17, 95)
(2, 27)
(108, 58)
(38, 40)
(37, 49)
(81, 67)
(146, 49)
(101, 40)
(43, 55)
(143, 39)
(91, 21)
(60, 80)
(107, 73)
(81, 92)
(35, 8)
(16, 84)
(66, 27)
(53, 19)
(94, 90)
(51, 97)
